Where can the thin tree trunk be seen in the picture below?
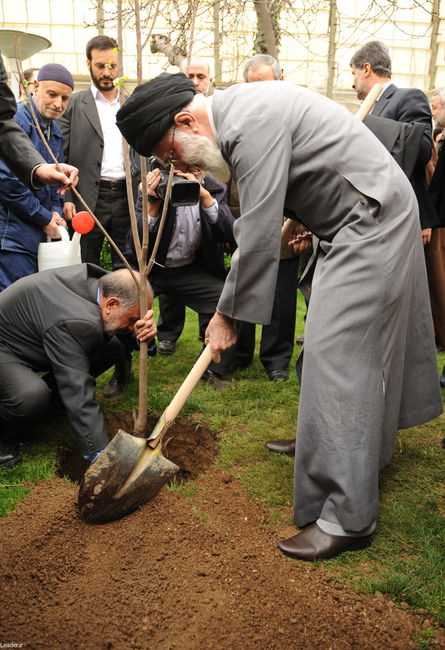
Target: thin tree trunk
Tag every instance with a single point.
(332, 47)
(100, 16)
(265, 28)
(140, 424)
(217, 41)
(435, 25)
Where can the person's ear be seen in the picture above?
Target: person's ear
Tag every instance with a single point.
(186, 120)
(111, 304)
(367, 70)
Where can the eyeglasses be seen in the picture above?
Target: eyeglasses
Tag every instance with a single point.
(170, 161)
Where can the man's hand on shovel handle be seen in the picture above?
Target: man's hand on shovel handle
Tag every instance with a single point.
(220, 335)
(145, 327)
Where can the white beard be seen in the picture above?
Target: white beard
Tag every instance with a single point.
(204, 153)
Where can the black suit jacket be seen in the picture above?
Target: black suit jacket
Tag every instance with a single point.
(16, 149)
(412, 105)
(51, 321)
(83, 145)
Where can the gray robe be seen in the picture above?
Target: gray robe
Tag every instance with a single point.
(370, 360)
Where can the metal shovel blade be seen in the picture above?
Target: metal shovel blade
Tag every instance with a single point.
(127, 474)
(131, 471)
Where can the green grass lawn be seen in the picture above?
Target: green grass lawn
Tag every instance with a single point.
(406, 559)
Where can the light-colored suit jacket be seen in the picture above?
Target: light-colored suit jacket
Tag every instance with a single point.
(290, 148)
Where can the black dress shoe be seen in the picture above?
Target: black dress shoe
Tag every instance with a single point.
(238, 365)
(166, 347)
(19, 442)
(214, 380)
(115, 387)
(282, 446)
(9, 455)
(278, 375)
(314, 544)
(15, 435)
(442, 381)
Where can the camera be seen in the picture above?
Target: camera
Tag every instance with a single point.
(183, 192)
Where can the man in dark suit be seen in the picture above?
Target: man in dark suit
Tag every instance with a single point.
(371, 64)
(63, 321)
(94, 144)
(189, 267)
(17, 151)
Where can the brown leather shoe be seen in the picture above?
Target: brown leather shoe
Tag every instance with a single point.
(214, 380)
(314, 544)
(282, 446)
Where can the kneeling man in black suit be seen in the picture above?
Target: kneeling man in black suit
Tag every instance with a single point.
(63, 321)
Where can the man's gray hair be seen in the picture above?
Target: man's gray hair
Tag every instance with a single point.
(119, 284)
(377, 55)
(441, 94)
(262, 59)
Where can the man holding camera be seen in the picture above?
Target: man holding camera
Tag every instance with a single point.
(189, 265)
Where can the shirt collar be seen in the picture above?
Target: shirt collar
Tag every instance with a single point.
(99, 96)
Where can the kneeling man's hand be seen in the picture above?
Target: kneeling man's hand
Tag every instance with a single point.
(145, 327)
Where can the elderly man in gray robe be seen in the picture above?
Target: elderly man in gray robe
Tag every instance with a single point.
(370, 361)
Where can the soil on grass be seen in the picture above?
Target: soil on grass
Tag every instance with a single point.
(201, 571)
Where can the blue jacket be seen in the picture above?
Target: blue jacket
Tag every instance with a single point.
(24, 212)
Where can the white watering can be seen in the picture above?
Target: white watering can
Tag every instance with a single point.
(64, 252)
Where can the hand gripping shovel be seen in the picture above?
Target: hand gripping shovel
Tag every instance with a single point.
(131, 471)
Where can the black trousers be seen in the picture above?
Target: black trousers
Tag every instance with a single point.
(193, 287)
(112, 211)
(172, 317)
(277, 338)
(25, 395)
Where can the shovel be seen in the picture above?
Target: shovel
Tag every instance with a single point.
(130, 471)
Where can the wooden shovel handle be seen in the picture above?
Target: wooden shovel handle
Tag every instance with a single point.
(369, 101)
(188, 385)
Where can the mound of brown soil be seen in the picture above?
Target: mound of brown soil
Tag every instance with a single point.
(192, 447)
(177, 573)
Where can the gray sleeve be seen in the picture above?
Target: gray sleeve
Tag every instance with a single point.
(260, 156)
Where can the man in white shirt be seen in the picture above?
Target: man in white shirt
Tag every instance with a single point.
(92, 138)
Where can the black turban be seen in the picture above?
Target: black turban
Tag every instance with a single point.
(148, 114)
